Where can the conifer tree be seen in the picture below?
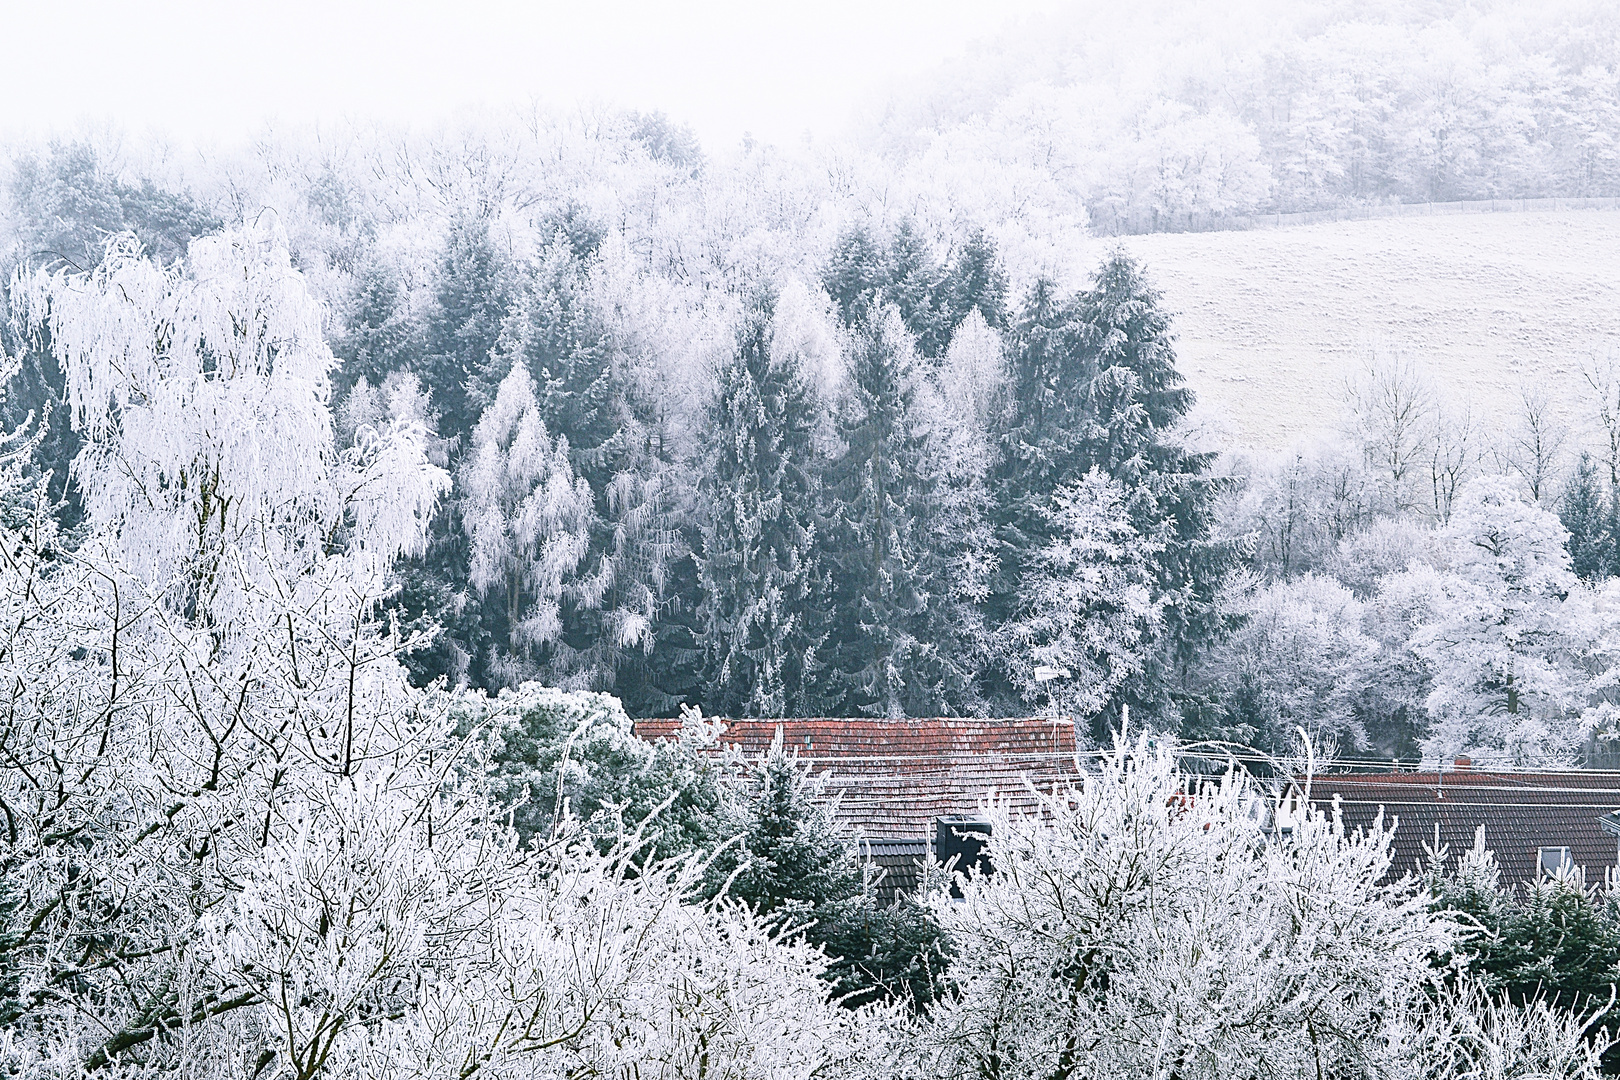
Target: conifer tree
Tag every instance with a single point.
(1042, 436)
(1588, 516)
(612, 616)
(856, 275)
(919, 289)
(763, 586)
(796, 865)
(957, 405)
(977, 282)
(877, 493)
(1136, 399)
(528, 522)
(1093, 383)
(475, 295)
(379, 336)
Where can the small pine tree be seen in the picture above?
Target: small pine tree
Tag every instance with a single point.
(1588, 514)
(793, 861)
(1554, 940)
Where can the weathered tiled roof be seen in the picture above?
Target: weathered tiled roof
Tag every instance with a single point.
(895, 778)
(1521, 812)
(901, 862)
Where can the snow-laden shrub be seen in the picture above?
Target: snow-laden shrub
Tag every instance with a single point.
(1142, 925)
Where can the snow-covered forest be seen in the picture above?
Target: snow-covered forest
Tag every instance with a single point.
(361, 485)
(769, 437)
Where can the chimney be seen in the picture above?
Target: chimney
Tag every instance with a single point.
(1464, 763)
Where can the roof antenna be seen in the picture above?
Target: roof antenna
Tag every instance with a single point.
(1310, 761)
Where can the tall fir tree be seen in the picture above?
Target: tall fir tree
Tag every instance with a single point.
(476, 293)
(856, 275)
(919, 289)
(1137, 398)
(379, 334)
(1093, 383)
(1042, 436)
(977, 282)
(764, 596)
(875, 502)
(621, 606)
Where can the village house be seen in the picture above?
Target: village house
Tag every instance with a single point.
(1535, 823)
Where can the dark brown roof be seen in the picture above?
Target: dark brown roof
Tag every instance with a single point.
(895, 778)
(1521, 812)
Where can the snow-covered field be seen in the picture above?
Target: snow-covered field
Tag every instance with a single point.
(1271, 322)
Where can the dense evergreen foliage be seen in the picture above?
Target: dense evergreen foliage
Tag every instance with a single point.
(794, 864)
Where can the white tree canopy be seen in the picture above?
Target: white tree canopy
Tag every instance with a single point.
(1510, 625)
(528, 516)
(1146, 924)
(201, 390)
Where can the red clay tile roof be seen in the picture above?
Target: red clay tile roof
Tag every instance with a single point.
(895, 778)
(1521, 812)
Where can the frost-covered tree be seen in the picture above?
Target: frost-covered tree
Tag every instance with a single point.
(474, 296)
(1088, 604)
(876, 498)
(1588, 511)
(1144, 925)
(761, 617)
(201, 392)
(1093, 384)
(528, 520)
(1293, 510)
(957, 406)
(1390, 414)
(1510, 624)
(1301, 661)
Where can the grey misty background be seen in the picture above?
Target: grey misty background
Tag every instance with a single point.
(882, 420)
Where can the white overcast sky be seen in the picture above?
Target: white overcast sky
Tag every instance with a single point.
(216, 70)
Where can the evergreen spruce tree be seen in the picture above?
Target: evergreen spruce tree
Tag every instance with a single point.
(856, 275)
(919, 289)
(877, 495)
(1136, 399)
(1042, 437)
(763, 591)
(475, 295)
(977, 282)
(379, 335)
(628, 605)
(795, 864)
(1093, 383)
(1587, 513)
